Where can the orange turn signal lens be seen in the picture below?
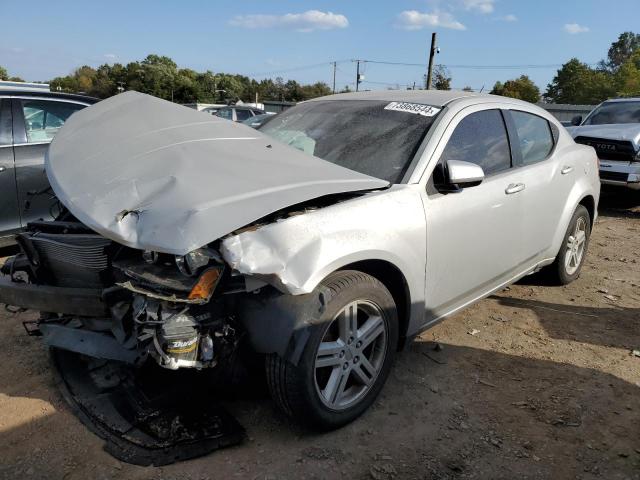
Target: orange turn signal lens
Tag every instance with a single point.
(206, 284)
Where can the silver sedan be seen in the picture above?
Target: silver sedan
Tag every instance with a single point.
(325, 240)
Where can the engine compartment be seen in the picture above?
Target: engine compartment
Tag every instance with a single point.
(173, 309)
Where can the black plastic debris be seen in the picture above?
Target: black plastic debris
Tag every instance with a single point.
(149, 415)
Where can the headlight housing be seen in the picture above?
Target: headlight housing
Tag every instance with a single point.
(194, 261)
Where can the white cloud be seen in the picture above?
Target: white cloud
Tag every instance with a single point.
(301, 22)
(574, 28)
(509, 18)
(481, 6)
(110, 56)
(414, 20)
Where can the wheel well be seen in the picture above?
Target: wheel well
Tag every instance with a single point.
(392, 278)
(589, 203)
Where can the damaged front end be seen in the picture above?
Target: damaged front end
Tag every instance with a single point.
(108, 301)
(132, 268)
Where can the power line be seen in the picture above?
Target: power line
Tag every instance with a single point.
(296, 69)
(409, 64)
(477, 67)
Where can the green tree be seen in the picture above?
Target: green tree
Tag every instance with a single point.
(522, 88)
(577, 83)
(160, 76)
(627, 77)
(441, 79)
(622, 50)
(4, 75)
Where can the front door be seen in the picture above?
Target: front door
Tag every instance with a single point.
(35, 122)
(9, 213)
(474, 235)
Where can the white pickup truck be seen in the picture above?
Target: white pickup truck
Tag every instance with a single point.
(613, 130)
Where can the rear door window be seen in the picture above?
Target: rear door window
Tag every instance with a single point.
(534, 136)
(43, 118)
(242, 115)
(226, 113)
(480, 138)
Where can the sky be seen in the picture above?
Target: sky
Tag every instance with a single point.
(298, 39)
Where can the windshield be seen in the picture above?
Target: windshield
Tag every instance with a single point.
(615, 112)
(371, 137)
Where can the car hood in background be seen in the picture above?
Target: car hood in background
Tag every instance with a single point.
(154, 175)
(623, 131)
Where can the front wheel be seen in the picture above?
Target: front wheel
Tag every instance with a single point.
(568, 263)
(346, 359)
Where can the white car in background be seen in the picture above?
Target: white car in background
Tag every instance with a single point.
(613, 130)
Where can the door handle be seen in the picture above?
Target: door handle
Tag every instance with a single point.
(566, 170)
(514, 188)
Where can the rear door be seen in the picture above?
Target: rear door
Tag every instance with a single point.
(9, 214)
(35, 122)
(547, 178)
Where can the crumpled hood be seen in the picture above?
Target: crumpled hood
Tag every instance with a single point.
(624, 131)
(154, 175)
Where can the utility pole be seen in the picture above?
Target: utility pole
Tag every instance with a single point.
(432, 53)
(335, 66)
(357, 74)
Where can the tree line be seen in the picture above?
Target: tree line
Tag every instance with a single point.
(575, 82)
(579, 83)
(160, 76)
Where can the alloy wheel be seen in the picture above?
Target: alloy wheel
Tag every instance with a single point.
(575, 246)
(351, 354)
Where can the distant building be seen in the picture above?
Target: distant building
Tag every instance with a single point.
(565, 112)
(275, 106)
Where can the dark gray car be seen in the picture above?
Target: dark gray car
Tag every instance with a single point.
(28, 122)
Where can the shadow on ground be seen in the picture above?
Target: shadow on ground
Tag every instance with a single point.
(455, 413)
(619, 202)
(613, 326)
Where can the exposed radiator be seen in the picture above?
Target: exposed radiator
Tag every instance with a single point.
(73, 260)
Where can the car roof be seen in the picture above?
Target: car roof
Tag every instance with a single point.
(43, 93)
(437, 98)
(620, 100)
(243, 107)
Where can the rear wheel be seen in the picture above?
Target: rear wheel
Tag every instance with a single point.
(566, 268)
(346, 359)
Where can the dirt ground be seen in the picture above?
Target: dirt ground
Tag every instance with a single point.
(535, 382)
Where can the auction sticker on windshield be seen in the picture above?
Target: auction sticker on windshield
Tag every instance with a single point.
(417, 108)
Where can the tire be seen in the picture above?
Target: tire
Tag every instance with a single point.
(564, 269)
(304, 391)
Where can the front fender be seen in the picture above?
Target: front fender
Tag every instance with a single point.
(295, 254)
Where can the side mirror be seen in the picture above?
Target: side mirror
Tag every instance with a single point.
(454, 175)
(577, 120)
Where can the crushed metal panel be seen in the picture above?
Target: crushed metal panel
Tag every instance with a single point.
(154, 175)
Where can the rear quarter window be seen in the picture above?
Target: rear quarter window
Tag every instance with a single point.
(535, 138)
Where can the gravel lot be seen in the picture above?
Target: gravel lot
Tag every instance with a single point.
(535, 382)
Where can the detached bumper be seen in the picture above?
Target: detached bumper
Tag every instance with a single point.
(71, 301)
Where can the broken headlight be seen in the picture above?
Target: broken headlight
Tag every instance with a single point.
(191, 263)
